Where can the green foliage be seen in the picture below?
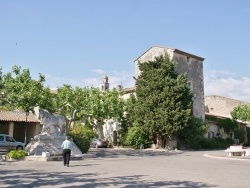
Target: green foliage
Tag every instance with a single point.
(81, 136)
(104, 105)
(136, 138)
(16, 154)
(215, 143)
(73, 104)
(86, 105)
(240, 133)
(227, 124)
(89, 106)
(128, 118)
(241, 112)
(193, 133)
(20, 91)
(164, 99)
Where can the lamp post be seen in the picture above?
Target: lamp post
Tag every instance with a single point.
(26, 114)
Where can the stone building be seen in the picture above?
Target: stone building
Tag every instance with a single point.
(187, 63)
(221, 108)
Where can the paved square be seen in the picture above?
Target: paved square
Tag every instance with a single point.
(119, 168)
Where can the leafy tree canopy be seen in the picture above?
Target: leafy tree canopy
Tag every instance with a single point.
(89, 106)
(20, 91)
(241, 112)
(104, 105)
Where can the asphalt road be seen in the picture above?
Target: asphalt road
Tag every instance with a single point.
(129, 168)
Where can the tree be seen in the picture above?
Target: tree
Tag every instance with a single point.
(193, 133)
(89, 106)
(84, 105)
(72, 103)
(128, 118)
(103, 106)
(20, 91)
(164, 99)
(241, 112)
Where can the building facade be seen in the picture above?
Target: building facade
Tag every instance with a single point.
(221, 108)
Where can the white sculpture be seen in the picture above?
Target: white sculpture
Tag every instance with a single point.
(52, 124)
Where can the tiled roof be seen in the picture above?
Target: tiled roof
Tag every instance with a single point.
(18, 116)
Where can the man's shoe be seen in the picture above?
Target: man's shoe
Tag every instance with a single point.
(67, 165)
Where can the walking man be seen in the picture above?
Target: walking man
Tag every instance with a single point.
(66, 145)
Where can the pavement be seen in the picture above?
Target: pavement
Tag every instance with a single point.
(113, 153)
(123, 167)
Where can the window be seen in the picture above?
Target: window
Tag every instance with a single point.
(1, 138)
(231, 135)
(210, 135)
(9, 139)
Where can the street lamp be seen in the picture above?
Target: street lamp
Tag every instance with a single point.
(26, 114)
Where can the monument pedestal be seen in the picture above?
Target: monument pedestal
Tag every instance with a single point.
(44, 143)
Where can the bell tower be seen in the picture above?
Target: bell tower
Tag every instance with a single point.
(105, 83)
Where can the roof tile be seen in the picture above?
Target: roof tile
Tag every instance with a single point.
(18, 116)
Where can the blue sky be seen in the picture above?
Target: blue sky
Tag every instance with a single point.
(77, 42)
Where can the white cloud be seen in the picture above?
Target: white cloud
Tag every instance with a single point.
(92, 82)
(223, 83)
(55, 82)
(122, 78)
(98, 71)
(115, 78)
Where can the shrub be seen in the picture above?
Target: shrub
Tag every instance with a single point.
(17, 154)
(216, 143)
(240, 134)
(81, 136)
(136, 138)
(193, 133)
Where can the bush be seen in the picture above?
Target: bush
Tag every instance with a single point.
(136, 138)
(216, 143)
(240, 134)
(193, 134)
(17, 154)
(82, 143)
(81, 136)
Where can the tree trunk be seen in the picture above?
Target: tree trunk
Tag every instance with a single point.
(99, 129)
(161, 142)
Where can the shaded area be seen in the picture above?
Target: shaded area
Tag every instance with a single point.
(33, 178)
(118, 153)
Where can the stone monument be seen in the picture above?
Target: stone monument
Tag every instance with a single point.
(50, 139)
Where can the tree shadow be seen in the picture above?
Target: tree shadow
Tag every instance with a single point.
(114, 153)
(33, 178)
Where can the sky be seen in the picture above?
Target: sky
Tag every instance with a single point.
(77, 42)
